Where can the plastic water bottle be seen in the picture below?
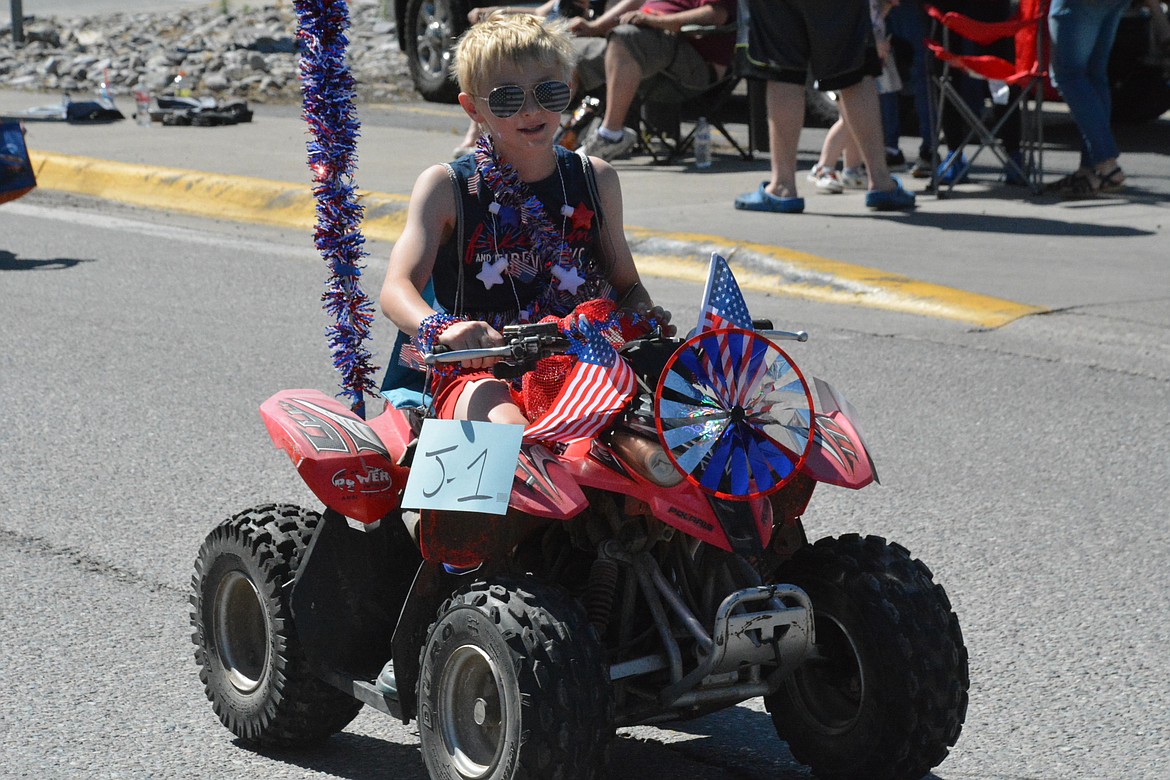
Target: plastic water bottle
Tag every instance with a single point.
(703, 143)
(142, 107)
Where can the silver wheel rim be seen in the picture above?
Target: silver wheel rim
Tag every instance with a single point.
(433, 30)
(471, 711)
(241, 631)
(832, 694)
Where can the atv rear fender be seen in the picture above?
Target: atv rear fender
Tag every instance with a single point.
(349, 464)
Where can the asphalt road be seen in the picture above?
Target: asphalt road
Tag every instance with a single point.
(1026, 465)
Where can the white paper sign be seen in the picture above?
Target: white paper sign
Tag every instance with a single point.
(463, 465)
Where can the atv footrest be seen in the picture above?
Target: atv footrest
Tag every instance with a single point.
(365, 692)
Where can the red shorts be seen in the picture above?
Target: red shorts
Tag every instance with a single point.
(447, 396)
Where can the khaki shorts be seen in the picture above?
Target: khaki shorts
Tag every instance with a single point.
(656, 52)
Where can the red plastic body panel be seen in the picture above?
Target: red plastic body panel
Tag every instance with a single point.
(544, 487)
(838, 455)
(394, 430)
(338, 455)
(682, 506)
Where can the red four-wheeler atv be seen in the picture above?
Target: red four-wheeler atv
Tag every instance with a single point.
(656, 572)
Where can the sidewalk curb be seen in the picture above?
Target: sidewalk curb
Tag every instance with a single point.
(758, 267)
(218, 196)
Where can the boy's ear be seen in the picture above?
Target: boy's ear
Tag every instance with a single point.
(468, 102)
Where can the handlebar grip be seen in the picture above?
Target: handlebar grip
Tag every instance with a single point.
(509, 371)
(442, 354)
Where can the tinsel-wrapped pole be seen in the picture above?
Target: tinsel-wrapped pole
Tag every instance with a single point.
(327, 88)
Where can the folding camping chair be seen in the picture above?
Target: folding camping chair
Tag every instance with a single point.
(665, 104)
(1028, 74)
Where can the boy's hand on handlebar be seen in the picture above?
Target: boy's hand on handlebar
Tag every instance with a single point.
(659, 315)
(663, 317)
(472, 335)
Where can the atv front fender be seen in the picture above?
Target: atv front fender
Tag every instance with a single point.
(339, 456)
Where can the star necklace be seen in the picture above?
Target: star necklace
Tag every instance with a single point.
(515, 204)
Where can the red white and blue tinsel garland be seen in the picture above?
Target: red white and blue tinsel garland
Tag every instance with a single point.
(328, 91)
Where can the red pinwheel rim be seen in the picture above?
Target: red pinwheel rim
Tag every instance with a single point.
(797, 460)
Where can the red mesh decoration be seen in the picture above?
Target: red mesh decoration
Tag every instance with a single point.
(540, 386)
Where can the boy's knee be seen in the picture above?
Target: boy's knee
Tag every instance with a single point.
(490, 400)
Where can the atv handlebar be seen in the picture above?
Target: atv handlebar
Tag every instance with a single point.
(443, 355)
(784, 335)
(530, 342)
(526, 345)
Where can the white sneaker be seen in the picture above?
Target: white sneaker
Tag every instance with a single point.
(596, 146)
(825, 180)
(854, 178)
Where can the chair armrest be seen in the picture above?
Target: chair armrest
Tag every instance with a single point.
(983, 33)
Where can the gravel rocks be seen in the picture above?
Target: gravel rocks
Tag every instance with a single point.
(248, 52)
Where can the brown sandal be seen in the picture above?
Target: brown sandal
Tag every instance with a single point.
(1076, 186)
(1114, 181)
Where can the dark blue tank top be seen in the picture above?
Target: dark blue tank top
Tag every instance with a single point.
(528, 291)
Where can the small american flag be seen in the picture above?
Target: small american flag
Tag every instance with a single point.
(723, 305)
(598, 387)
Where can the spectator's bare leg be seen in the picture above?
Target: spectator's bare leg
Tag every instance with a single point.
(623, 74)
(836, 141)
(863, 116)
(471, 137)
(785, 120)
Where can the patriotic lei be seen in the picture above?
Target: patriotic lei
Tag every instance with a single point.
(509, 190)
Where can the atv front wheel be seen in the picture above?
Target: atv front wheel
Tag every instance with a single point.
(884, 694)
(251, 663)
(513, 683)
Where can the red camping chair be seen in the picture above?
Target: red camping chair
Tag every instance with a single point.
(1028, 75)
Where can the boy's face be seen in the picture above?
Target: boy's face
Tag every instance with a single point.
(532, 127)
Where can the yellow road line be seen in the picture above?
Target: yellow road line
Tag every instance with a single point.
(759, 267)
(802, 275)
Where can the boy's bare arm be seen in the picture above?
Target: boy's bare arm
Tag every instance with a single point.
(604, 23)
(430, 219)
(623, 273)
(429, 222)
(707, 15)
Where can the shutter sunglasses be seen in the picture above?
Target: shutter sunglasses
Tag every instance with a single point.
(507, 100)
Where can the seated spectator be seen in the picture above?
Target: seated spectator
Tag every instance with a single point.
(785, 40)
(635, 40)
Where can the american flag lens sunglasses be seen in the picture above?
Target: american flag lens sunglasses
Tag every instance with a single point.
(506, 100)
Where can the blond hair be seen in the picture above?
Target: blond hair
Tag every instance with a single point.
(510, 38)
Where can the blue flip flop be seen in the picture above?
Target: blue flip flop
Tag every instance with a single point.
(761, 200)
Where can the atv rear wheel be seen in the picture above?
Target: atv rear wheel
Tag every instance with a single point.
(513, 683)
(885, 693)
(251, 663)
